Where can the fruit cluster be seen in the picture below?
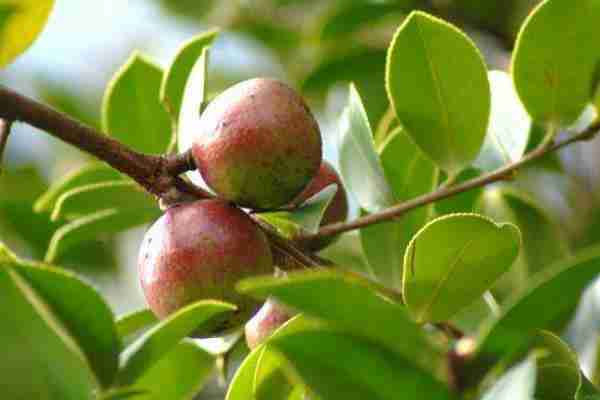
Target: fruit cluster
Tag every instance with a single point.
(258, 147)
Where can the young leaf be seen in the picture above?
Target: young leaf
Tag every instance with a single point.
(359, 164)
(93, 330)
(89, 227)
(338, 366)
(180, 374)
(529, 311)
(20, 24)
(554, 71)
(438, 86)
(140, 356)
(517, 384)
(87, 199)
(131, 110)
(132, 323)
(509, 127)
(176, 76)
(93, 172)
(348, 300)
(452, 261)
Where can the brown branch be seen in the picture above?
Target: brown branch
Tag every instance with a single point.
(445, 192)
(154, 173)
(5, 125)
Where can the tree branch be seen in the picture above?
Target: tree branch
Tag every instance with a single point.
(5, 125)
(449, 191)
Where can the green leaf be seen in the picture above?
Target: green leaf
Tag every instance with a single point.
(428, 66)
(131, 110)
(93, 172)
(39, 359)
(509, 127)
(347, 300)
(140, 356)
(93, 330)
(517, 384)
(89, 227)
(452, 261)
(193, 102)
(272, 379)
(21, 21)
(120, 195)
(180, 374)
(338, 366)
(528, 311)
(360, 167)
(463, 202)
(174, 81)
(553, 88)
(470, 318)
(132, 323)
(383, 246)
(306, 217)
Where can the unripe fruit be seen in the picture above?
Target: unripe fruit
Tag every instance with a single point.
(258, 144)
(198, 251)
(337, 211)
(270, 317)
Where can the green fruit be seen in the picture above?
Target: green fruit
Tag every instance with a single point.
(258, 144)
(198, 251)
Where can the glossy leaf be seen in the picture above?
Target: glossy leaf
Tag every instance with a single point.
(88, 174)
(140, 356)
(437, 83)
(439, 280)
(84, 200)
(346, 300)
(131, 110)
(39, 360)
(176, 76)
(272, 378)
(557, 88)
(20, 24)
(91, 226)
(180, 374)
(132, 323)
(528, 311)
(509, 126)
(360, 167)
(517, 384)
(338, 366)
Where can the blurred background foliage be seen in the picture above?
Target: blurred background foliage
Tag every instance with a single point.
(315, 45)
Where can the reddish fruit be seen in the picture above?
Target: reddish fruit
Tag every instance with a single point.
(270, 317)
(199, 251)
(258, 145)
(337, 211)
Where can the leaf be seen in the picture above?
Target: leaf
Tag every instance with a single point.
(517, 384)
(463, 202)
(21, 21)
(140, 356)
(509, 126)
(193, 102)
(131, 110)
(134, 322)
(553, 88)
(87, 199)
(338, 366)
(528, 311)
(93, 172)
(438, 86)
(175, 79)
(89, 227)
(93, 330)
(360, 168)
(452, 261)
(348, 300)
(382, 245)
(39, 361)
(306, 217)
(272, 379)
(470, 318)
(180, 374)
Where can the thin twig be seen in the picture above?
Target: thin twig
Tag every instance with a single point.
(5, 125)
(445, 192)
